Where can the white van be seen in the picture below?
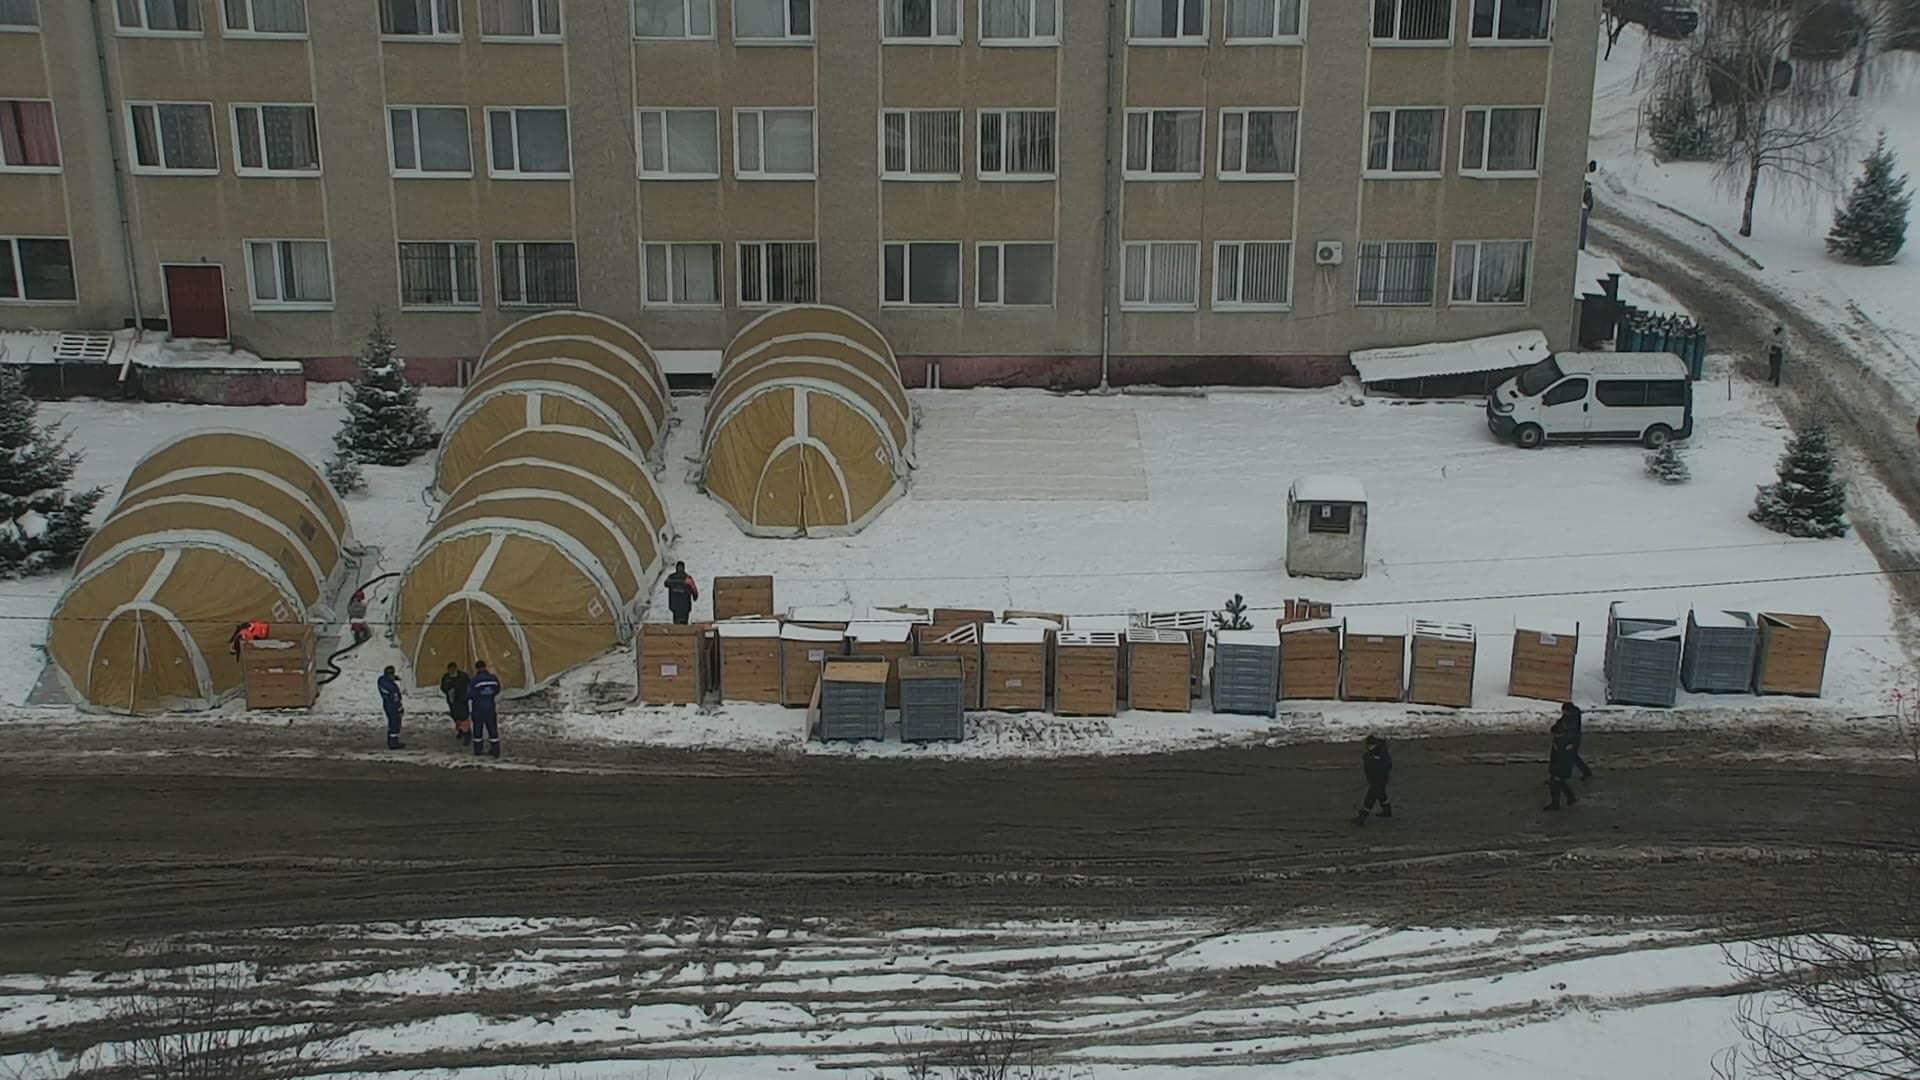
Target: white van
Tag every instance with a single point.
(1642, 397)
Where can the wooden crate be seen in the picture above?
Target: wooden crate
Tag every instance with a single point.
(1544, 651)
(1013, 667)
(821, 616)
(1442, 668)
(277, 671)
(743, 597)
(960, 642)
(958, 616)
(1086, 666)
(1374, 667)
(673, 661)
(1196, 624)
(1310, 659)
(1159, 675)
(889, 641)
(1051, 623)
(1793, 654)
(1112, 624)
(804, 650)
(749, 660)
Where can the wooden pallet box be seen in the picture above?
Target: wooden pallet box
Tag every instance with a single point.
(672, 663)
(1310, 659)
(961, 643)
(1113, 624)
(889, 641)
(1013, 667)
(949, 617)
(931, 699)
(1052, 624)
(1159, 673)
(1441, 671)
(749, 660)
(821, 616)
(278, 671)
(1793, 654)
(804, 650)
(1086, 671)
(848, 699)
(1544, 653)
(1196, 624)
(743, 597)
(1374, 666)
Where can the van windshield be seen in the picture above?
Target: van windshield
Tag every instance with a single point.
(1538, 377)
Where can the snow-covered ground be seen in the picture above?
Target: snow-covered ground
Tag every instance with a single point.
(1146, 1000)
(1790, 219)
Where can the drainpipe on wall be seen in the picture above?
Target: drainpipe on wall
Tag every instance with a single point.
(119, 172)
(1107, 234)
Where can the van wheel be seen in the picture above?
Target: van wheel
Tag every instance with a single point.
(1657, 436)
(1529, 436)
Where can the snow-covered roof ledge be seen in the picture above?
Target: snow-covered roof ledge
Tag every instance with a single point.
(1497, 352)
(151, 349)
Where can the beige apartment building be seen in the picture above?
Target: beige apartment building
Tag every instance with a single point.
(1012, 190)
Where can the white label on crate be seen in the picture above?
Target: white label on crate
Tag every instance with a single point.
(1376, 641)
(668, 671)
(816, 656)
(1549, 639)
(1443, 663)
(1014, 684)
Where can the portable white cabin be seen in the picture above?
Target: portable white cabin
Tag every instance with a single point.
(1327, 527)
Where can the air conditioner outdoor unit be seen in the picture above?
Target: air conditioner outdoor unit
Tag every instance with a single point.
(1329, 253)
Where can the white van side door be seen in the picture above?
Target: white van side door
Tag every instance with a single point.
(1566, 411)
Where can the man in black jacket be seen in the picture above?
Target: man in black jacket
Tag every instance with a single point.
(453, 687)
(1560, 767)
(1571, 718)
(682, 591)
(1377, 764)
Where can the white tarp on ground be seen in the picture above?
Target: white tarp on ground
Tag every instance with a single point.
(1495, 353)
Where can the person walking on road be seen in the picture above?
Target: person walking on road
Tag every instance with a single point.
(453, 687)
(1560, 768)
(483, 690)
(1377, 763)
(1777, 354)
(1571, 718)
(682, 591)
(391, 704)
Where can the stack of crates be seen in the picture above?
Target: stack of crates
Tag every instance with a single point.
(930, 699)
(1246, 671)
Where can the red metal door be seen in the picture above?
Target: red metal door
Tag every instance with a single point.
(197, 302)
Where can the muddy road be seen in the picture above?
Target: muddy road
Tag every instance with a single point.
(101, 847)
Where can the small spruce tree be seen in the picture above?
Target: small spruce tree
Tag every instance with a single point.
(385, 422)
(1809, 500)
(1233, 616)
(43, 526)
(1668, 465)
(1872, 227)
(343, 473)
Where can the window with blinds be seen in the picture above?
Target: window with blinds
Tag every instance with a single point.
(778, 272)
(1016, 144)
(1396, 273)
(920, 144)
(1252, 275)
(1161, 275)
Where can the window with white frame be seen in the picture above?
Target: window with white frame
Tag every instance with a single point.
(1013, 274)
(1512, 20)
(276, 140)
(1016, 144)
(920, 272)
(683, 274)
(773, 144)
(1263, 20)
(1406, 140)
(528, 144)
(172, 137)
(430, 140)
(28, 140)
(671, 20)
(18, 14)
(1494, 141)
(1491, 271)
(1252, 275)
(1396, 273)
(779, 272)
(439, 275)
(536, 274)
(36, 269)
(279, 17)
(1164, 143)
(1162, 21)
(1424, 22)
(1259, 144)
(1019, 22)
(159, 16)
(420, 18)
(290, 274)
(520, 20)
(920, 20)
(1160, 274)
(679, 144)
(920, 144)
(773, 21)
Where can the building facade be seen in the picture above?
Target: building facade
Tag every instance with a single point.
(1014, 191)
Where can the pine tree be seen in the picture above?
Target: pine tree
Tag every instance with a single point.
(343, 473)
(43, 526)
(1872, 227)
(385, 422)
(1809, 499)
(1233, 616)
(1667, 465)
